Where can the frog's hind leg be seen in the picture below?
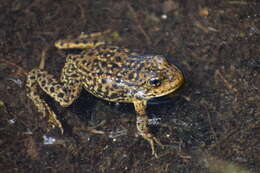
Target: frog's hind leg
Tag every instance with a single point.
(88, 41)
(83, 41)
(64, 92)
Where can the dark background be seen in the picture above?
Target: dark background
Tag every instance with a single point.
(211, 125)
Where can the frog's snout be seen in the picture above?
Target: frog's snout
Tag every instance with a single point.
(179, 79)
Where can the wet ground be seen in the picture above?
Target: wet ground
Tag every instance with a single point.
(211, 125)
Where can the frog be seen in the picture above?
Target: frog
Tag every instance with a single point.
(109, 72)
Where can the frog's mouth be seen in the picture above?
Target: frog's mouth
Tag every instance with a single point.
(168, 88)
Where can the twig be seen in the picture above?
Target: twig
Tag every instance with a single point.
(204, 28)
(133, 13)
(229, 86)
(19, 71)
(210, 122)
(238, 2)
(43, 58)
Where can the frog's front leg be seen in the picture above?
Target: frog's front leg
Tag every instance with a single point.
(64, 91)
(143, 126)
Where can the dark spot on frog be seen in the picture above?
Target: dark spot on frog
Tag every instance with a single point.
(94, 82)
(81, 56)
(52, 89)
(137, 75)
(74, 75)
(95, 41)
(115, 66)
(50, 80)
(118, 80)
(113, 95)
(130, 76)
(65, 90)
(103, 81)
(85, 41)
(100, 54)
(103, 64)
(114, 49)
(99, 90)
(110, 54)
(91, 53)
(61, 95)
(88, 78)
(88, 64)
(118, 58)
(84, 62)
(32, 77)
(95, 61)
(43, 83)
(114, 85)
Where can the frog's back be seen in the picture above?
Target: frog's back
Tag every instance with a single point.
(109, 72)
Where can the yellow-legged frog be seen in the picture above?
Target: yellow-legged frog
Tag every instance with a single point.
(108, 72)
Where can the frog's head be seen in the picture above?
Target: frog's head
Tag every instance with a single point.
(161, 78)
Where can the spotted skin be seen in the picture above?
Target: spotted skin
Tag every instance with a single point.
(108, 72)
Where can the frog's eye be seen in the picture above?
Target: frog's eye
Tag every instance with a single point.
(155, 82)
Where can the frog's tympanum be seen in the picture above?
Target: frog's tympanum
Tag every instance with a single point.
(108, 72)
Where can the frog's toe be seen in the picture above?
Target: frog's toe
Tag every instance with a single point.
(152, 141)
(54, 122)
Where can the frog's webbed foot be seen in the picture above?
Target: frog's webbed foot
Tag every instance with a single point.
(41, 105)
(143, 130)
